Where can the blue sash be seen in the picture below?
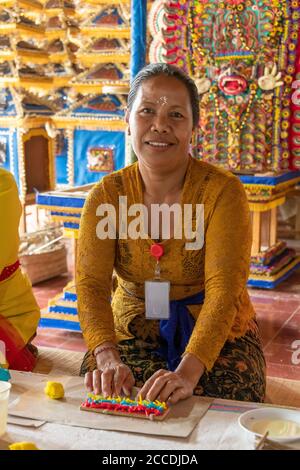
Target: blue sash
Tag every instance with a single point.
(176, 331)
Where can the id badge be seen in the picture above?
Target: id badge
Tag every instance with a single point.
(157, 300)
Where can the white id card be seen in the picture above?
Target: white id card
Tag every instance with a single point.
(157, 300)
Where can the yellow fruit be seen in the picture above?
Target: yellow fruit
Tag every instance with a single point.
(54, 390)
(23, 446)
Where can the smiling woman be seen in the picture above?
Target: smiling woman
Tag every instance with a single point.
(160, 123)
(204, 338)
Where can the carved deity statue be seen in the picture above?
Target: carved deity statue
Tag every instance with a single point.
(243, 56)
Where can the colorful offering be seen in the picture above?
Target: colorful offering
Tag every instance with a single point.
(125, 406)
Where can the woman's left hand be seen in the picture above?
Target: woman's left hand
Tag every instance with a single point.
(167, 386)
(171, 387)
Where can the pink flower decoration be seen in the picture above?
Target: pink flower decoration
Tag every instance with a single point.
(234, 2)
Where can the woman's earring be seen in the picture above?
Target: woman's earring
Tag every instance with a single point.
(191, 144)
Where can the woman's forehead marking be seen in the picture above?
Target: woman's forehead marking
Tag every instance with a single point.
(148, 93)
(162, 100)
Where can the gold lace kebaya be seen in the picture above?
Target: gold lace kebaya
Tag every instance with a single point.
(220, 267)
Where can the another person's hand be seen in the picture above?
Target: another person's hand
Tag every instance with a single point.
(112, 377)
(174, 386)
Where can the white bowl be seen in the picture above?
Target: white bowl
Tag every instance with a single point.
(277, 420)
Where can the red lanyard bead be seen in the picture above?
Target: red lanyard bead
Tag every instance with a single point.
(157, 250)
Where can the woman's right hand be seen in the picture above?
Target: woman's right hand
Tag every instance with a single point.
(112, 377)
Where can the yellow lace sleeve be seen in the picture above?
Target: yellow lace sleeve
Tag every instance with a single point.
(95, 259)
(227, 257)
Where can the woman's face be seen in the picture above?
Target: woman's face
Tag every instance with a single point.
(161, 122)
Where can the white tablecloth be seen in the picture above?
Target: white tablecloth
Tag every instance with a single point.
(217, 429)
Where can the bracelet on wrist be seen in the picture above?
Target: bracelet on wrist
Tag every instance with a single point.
(105, 348)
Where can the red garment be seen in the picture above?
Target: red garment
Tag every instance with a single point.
(9, 271)
(17, 353)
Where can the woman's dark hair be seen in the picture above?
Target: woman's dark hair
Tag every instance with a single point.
(152, 70)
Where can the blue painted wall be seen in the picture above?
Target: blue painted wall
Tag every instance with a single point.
(12, 166)
(83, 140)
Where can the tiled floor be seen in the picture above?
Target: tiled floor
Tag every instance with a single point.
(51, 337)
(278, 314)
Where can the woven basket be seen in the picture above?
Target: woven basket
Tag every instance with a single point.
(45, 265)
